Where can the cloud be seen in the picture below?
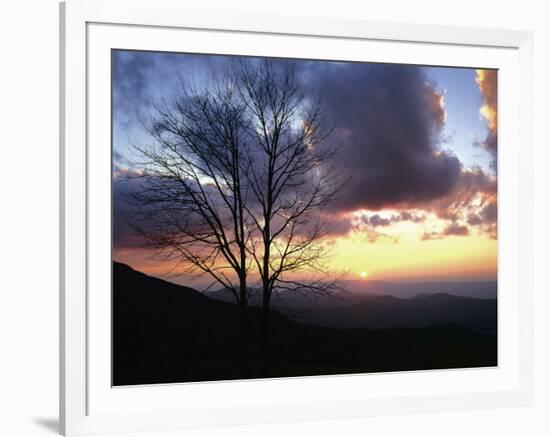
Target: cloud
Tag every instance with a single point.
(132, 72)
(389, 121)
(474, 219)
(376, 220)
(141, 76)
(489, 212)
(452, 229)
(338, 226)
(124, 236)
(404, 216)
(473, 189)
(455, 229)
(485, 218)
(487, 81)
(472, 202)
(411, 217)
(486, 215)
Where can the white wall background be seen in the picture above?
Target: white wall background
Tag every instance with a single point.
(29, 224)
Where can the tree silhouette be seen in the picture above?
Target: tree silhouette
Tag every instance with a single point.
(234, 183)
(292, 176)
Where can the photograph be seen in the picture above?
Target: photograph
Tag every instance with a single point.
(280, 217)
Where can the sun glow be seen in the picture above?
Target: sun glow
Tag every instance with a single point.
(363, 275)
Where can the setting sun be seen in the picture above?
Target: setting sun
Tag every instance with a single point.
(363, 275)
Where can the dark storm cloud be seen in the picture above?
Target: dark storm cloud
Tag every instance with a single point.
(388, 121)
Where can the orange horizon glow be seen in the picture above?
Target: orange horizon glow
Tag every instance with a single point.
(407, 259)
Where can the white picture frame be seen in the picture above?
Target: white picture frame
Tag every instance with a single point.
(91, 27)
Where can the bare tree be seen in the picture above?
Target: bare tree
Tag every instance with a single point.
(235, 183)
(291, 173)
(190, 203)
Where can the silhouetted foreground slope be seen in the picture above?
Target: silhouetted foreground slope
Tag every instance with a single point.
(164, 333)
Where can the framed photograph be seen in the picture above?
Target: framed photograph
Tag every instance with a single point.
(270, 218)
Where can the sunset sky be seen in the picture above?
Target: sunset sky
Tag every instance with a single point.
(418, 143)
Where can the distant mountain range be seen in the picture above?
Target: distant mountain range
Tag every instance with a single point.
(475, 289)
(423, 310)
(425, 304)
(164, 332)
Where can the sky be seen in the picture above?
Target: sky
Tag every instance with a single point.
(419, 145)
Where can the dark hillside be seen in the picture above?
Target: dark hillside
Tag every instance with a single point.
(163, 332)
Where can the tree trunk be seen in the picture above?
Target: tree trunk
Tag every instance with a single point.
(265, 334)
(244, 330)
